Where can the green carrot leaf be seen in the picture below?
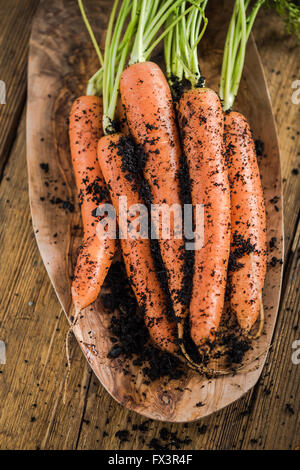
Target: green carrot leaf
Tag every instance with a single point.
(289, 10)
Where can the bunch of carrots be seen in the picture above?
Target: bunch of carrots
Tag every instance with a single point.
(166, 125)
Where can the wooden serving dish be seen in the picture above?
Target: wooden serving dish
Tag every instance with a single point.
(61, 60)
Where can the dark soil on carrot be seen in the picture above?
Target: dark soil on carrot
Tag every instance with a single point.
(133, 162)
(129, 334)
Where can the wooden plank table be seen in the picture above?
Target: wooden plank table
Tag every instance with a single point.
(33, 327)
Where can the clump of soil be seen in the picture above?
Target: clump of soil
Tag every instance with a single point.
(129, 332)
(178, 87)
(236, 349)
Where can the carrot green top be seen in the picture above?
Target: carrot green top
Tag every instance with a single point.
(242, 20)
(118, 43)
(184, 28)
(289, 10)
(136, 37)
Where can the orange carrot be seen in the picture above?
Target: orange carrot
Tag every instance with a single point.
(248, 220)
(95, 255)
(150, 115)
(202, 124)
(145, 22)
(136, 252)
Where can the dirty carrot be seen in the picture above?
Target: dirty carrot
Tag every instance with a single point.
(202, 125)
(136, 250)
(247, 267)
(201, 121)
(150, 114)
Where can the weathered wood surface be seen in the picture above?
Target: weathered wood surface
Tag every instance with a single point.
(32, 413)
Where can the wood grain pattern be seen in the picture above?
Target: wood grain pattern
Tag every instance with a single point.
(258, 420)
(14, 38)
(52, 75)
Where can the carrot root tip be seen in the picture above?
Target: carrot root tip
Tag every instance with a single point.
(258, 334)
(68, 355)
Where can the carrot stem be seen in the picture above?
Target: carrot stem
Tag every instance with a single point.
(117, 48)
(95, 83)
(242, 50)
(90, 31)
(147, 17)
(153, 16)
